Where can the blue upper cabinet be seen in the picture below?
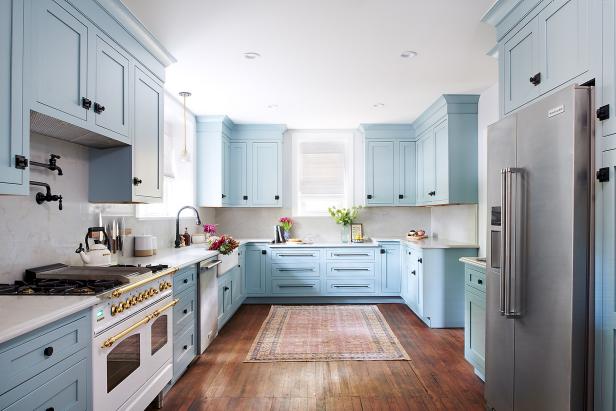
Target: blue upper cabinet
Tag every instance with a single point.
(390, 164)
(544, 45)
(14, 131)
(239, 165)
(447, 151)
(608, 86)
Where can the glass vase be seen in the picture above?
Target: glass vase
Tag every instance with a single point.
(345, 233)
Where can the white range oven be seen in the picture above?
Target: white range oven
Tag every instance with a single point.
(132, 345)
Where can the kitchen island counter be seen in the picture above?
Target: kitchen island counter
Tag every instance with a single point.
(20, 314)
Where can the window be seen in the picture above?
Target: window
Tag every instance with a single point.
(322, 173)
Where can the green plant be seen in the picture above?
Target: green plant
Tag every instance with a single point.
(344, 216)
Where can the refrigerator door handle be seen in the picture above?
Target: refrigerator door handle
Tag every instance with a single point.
(513, 235)
(503, 242)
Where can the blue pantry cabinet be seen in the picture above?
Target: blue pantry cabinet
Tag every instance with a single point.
(240, 164)
(14, 122)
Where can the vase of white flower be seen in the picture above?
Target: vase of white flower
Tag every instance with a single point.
(344, 217)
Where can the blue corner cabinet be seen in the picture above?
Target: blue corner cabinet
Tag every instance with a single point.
(185, 315)
(475, 317)
(239, 165)
(49, 368)
(14, 116)
(447, 151)
(390, 170)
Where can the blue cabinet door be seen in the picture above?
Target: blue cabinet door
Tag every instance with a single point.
(380, 172)
(237, 194)
(14, 132)
(226, 169)
(563, 30)
(521, 62)
(407, 173)
(110, 94)
(266, 174)
(609, 65)
(148, 137)
(60, 57)
(428, 168)
(256, 269)
(390, 269)
(475, 329)
(441, 162)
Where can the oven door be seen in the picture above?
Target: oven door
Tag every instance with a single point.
(128, 354)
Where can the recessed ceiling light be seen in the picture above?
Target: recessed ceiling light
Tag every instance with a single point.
(409, 54)
(251, 55)
(272, 106)
(378, 105)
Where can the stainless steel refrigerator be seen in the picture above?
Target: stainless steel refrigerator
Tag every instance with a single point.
(539, 250)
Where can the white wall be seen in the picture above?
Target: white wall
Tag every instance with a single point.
(488, 114)
(455, 223)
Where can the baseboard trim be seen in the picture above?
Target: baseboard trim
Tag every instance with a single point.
(324, 300)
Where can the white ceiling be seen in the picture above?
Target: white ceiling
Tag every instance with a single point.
(324, 63)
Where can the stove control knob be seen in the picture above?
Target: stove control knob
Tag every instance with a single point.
(140, 297)
(120, 308)
(161, 286)
(169, 285)
(127, 304)
(153, 291)
(133, 300)
(114, 310)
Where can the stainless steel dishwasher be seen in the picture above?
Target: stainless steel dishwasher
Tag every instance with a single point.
(208, 301)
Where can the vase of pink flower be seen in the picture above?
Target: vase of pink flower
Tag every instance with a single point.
(286, 223)
(209, 230)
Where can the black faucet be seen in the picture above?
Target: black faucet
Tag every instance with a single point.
(41, 198)
(177, 225)
(51, 165)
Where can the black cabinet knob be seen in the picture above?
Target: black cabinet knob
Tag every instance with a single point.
(245, 197)
(414, 272)
(186, 281)
(48, 351)
(382, 251)
(369, 196)
(479, 282)
(420, 260)
(224, 196)
(225, 288)
(185, 347)
(50, 409)
(137, 181)
(185, 311)
(98, 108)
(432, 193)
(86, 103)
(536, 79)
(276, 197)
(263, 252)
(400, 196)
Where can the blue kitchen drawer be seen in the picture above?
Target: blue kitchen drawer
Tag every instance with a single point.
(352, 253)
(348, 269)
(184, 311)
(351, 287)
(184, 351)
(297, 287)
(475, 278)
(295, 254)
(26, 356)
(298, 269)
(184, 278)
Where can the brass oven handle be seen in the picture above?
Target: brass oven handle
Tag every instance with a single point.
(111, 340)
(120, 291)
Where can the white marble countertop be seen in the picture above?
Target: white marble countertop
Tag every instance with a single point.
(370, 243)
(173, 257)
(431, 243)
(476, 261)
(20, 314)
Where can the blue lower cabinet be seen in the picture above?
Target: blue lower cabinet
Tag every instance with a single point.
(390, 268)
(475, 318)
(184, 319)
(49, 367)
(296, 287)
(229, 297)
(256, 259)
(351, 287)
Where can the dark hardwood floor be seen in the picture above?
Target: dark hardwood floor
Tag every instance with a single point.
(437, 378)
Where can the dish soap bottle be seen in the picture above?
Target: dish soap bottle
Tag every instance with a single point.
(186, 237)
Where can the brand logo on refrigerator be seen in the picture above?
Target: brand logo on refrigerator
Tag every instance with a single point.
(556, 111)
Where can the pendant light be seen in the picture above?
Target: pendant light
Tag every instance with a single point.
(185, 155)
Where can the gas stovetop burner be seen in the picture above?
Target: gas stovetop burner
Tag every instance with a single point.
(58, 287)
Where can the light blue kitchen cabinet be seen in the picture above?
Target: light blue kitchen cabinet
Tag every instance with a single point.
(237, 175)
(447, 151)
(49, 367)
(475, 317)
(608, 83)
(111, 88)
(60, 62)
(266, 174)
(133, 174)
(404, 269)
(390, 164)
(239, 165)
(380, 172)
(14, 131)
(230, 294)
(257, 261)
(390, 268)
(184, 319)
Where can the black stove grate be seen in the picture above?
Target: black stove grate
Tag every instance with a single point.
(58, 287)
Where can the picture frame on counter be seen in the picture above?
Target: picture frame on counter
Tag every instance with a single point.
(357, 233)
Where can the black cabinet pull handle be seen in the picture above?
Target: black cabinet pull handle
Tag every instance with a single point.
(263, 252)
(479, 282)
(420, 260)
(86, 103)
(137, 181)
(432, 193)
(414, 272)
(225, 288)
(276, 197)
(185, 347)
(98, 108)
(400, 196)
(48, 351)
(245, 197)
(185, 310)
(536, 79)
(369, 196)
(224, 196)
(382, 251)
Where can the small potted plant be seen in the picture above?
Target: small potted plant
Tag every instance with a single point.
(286, 223)
(344, 217)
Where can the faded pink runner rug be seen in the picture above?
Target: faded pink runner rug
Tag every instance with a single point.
(325, 333)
